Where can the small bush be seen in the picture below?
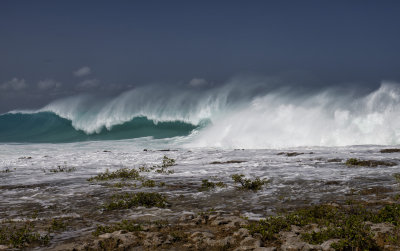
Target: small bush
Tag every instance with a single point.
(149, 183)
(123, 173)
(61, 169)
(129, 200)
(57, 225)
(397, 177)
(130, 226)
(249, 184)
(22, 236)
(167, 162)
(207, 185)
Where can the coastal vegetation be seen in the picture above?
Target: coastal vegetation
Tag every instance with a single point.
(249, 184)
(63, 168)
(208, 185)
(130, 226)
(123, 173)
(349, 225)
(20, 236)
(129, 200)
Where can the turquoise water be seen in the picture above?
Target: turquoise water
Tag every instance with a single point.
(47, 127)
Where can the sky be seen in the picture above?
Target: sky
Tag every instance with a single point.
(55, 49)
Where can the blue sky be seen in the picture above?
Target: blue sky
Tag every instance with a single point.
(117, 45)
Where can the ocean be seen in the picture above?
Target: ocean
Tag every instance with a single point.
(298, 145)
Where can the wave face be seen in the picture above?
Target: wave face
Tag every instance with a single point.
(244, 113)
(47, 127)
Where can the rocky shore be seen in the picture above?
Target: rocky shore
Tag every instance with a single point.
(151, 207)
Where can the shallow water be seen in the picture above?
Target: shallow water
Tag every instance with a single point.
(310, 178)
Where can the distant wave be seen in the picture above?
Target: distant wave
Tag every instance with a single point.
(241, 114)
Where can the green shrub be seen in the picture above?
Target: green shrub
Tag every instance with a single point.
(249, 184)
(129, 200)
(348, 224)
(149, 183)
(123, 173)
(130, 226)
(21, 236)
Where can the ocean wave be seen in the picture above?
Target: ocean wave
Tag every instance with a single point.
(48, 127)
(240, 114)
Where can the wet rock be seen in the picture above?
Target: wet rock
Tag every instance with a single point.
(381, 232)
(241, 233)
(265, 249)
(291, 242)
(200, 236)
(227, 162)
(326, 246)
(334, 160)
(153, 239)
(105, 236)
(392, 150)
(186, 217)
(352, 162)
(227, 241)
(228, 221)
(250, 242)
(289, 154)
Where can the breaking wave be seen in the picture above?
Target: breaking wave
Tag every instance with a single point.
(235, 115)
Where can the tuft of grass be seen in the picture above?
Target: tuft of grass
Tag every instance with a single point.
(57, 224)
(22, 236)
(178, 236)
(149, 183)
(207, 185)
(130, 226)
(123, 173)
(6, 170)
(167, 162)
(61, 169)
(369, 163)
(397, 177)
(249, 184)
(129, 200)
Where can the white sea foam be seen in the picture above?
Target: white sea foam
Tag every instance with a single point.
(324, 119)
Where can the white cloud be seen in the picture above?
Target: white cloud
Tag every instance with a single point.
(48, 84)
(196, 82)
(88, 84)
(14, 84)
(84, 71)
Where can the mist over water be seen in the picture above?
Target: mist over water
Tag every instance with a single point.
(239, 114)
